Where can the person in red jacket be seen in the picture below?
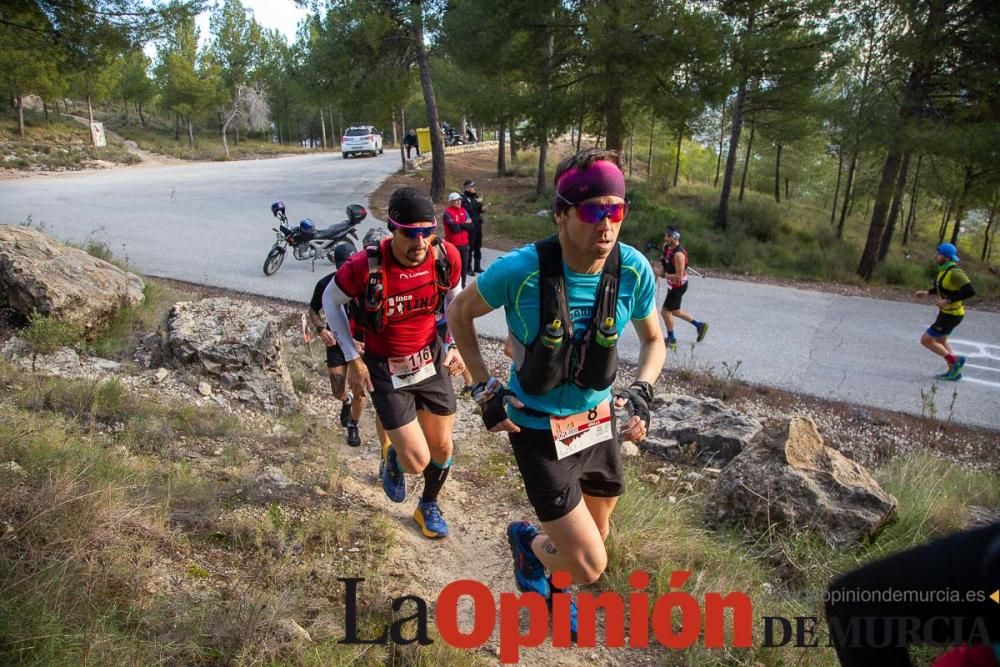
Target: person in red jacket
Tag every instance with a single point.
(402, 285)
(457, 226)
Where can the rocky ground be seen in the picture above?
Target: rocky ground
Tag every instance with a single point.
(309, 469)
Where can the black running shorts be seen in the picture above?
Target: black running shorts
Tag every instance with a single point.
(398, 407)
(335, 357)
(674, 296)
(555, 487)
(944, 325)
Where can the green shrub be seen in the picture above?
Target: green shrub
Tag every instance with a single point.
(895, 272)
(46, 333)
(760, 220)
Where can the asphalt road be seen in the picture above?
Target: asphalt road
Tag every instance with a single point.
(210, 223)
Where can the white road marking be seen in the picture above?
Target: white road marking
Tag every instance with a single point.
(982, 350)
(985, 368)
(978, 381)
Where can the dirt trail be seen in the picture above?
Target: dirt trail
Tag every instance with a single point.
(478, 502)
(148, 159)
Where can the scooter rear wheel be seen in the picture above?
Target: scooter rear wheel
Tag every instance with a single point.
(274, 260)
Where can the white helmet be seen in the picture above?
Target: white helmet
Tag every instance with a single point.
(453, 196)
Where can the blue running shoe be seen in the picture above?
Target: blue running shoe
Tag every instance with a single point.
(428, 517)
(702, 330)
(529, 573)
(955, 372)
(393, 479)
(572, 608)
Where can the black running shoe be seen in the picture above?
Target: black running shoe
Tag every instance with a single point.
(345, 412)
(353, 435)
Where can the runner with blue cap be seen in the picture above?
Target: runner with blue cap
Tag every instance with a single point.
(951, 287)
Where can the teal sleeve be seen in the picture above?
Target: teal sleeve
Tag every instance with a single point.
(494, 285)
(645, 291)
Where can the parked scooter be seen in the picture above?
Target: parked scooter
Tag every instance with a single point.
(307, 243)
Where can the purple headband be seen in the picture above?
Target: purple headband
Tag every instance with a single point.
(600, 179)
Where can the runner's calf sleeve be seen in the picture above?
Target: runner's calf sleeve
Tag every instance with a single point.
(435, 475)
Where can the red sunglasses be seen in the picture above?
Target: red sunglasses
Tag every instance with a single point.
(592, 213)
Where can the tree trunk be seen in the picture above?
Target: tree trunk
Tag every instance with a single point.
(236, 129)
(19, 102)
(848, 193)
(910, 105)
(90, 115)
(430, 104)
(631, 149)
(513, 141)
(722, 135)
(722, 214)
(897, 203)
(943, 228)
(988, 233)
(746, 160)
(543, 147)
(649, 155)
(177, 126)
(677, 155)
(777, 175)
(45, 110)
(461, 127)
(614, 100)
(225, 126)
(883, 196)
(579, 134)
(402, 133)
(912, 213)
(962, 200)
(191, 135)
(836, 189)
(502, 151)
(395, 134)
(322, 125)
(142, 118)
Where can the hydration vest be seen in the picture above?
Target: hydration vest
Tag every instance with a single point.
(939, 288)
(590, 362)
(668, 263)
(371, 310)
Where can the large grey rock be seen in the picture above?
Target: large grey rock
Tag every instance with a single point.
(41, 275)
(238, 345)
(789, 478)
(719, 432)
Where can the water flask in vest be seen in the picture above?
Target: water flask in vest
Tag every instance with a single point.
(553, 335)
(607, 334)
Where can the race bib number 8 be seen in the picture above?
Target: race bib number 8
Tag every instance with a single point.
(577, 432)
(412, 368)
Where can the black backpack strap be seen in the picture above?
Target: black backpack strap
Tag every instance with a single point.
(371, 315)
(553, 300)
(607, 290)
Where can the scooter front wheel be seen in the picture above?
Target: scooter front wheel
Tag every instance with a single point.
(274, 260)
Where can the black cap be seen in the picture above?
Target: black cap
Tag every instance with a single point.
(469, 184)
(410, 205)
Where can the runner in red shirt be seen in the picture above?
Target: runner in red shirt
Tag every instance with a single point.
(402, 287)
